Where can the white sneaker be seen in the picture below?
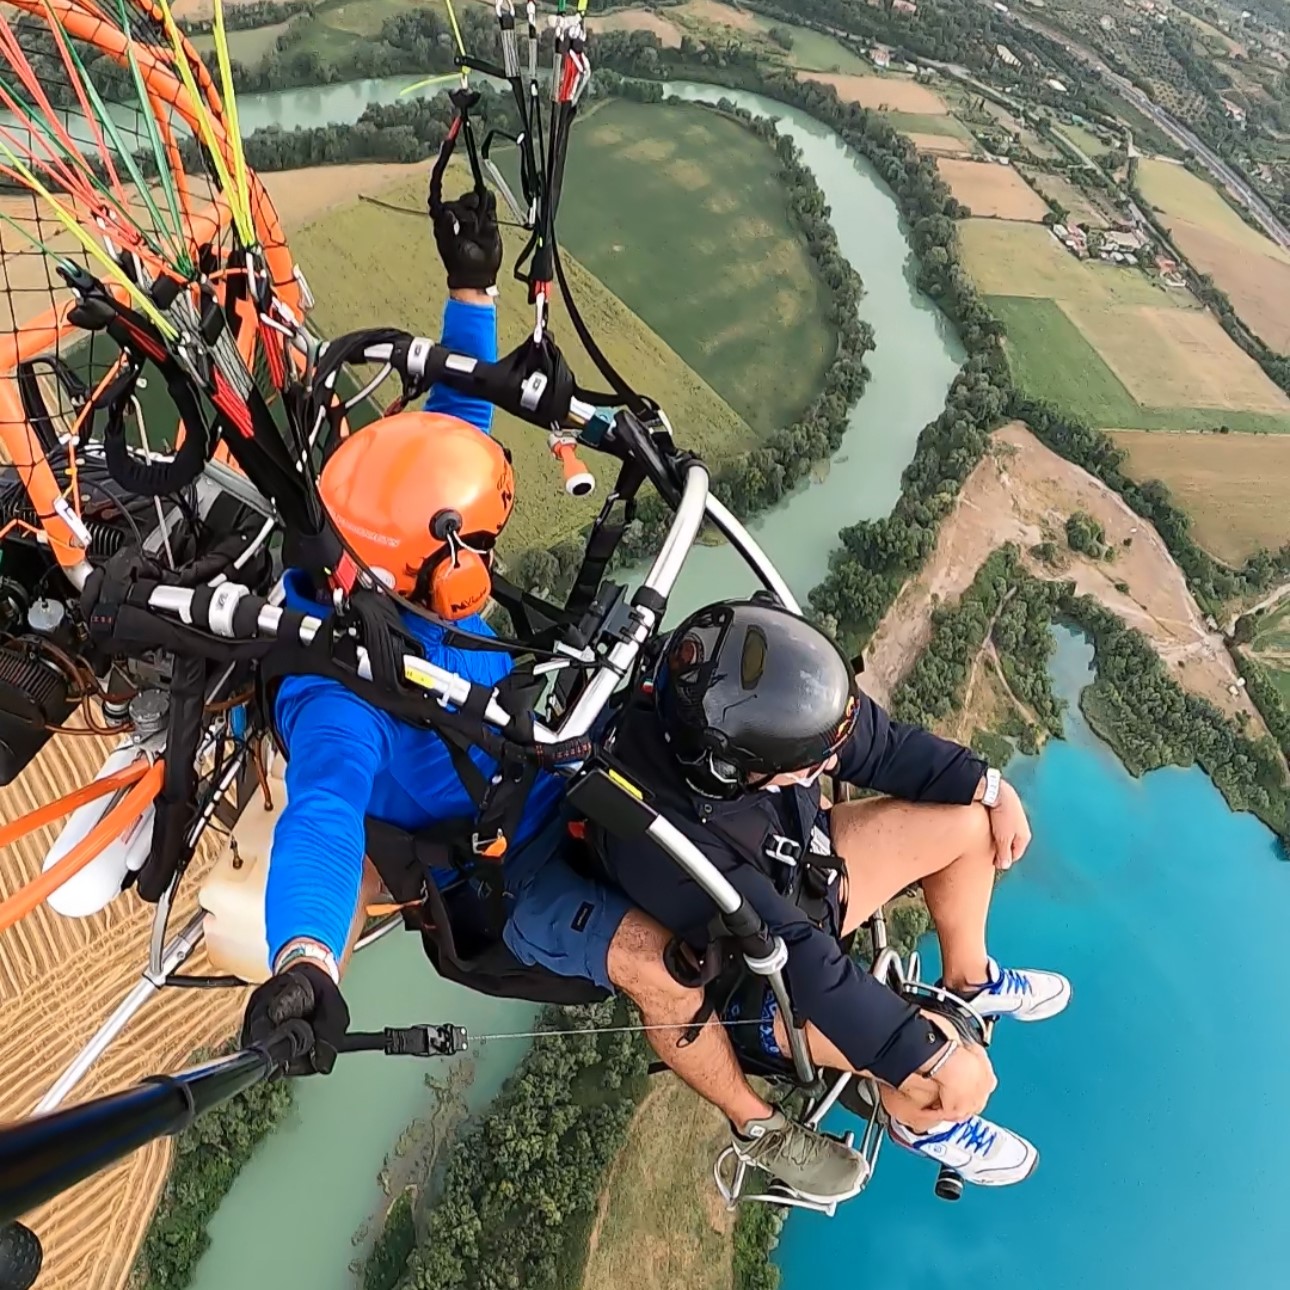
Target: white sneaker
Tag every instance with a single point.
(980, 1151)
(1022, 993)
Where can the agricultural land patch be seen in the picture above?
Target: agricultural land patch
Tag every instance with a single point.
(991, 191)
(1109, 344)
(1251, 269)
(1235, 488)
(691, 229)
(886, 93)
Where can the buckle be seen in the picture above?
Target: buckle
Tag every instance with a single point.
(783, 849)
(493, 848)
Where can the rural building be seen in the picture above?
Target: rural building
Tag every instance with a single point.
(1000, 8)
(1106, 22)
(1006, 56)
(880, 56)
(904, 6)
(1053, 83)
(1235, 112)
(1128, 242)
(1166, 264)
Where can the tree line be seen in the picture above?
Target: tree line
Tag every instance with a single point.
(520, 1191)
(208, 1157)
(248, 16)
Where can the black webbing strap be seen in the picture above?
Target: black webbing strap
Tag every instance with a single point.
(170, 851)
(606, 534)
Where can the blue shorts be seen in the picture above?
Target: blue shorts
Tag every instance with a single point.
(557, 919)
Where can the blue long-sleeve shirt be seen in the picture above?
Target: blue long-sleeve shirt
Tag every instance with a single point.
(347, 759)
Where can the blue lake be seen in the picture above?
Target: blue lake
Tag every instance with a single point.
(1157, 1099)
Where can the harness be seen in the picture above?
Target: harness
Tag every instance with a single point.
(804, 869)
(462, 935)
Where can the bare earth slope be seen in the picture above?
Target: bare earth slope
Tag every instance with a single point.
(1022, 493)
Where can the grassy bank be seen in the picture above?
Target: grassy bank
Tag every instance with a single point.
(682, 214)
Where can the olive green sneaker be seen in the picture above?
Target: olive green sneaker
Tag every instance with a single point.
(814, 1165)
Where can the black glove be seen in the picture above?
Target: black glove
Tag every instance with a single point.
(469, 241)
(306, 993)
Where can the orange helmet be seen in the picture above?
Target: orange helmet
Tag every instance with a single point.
(420, 498)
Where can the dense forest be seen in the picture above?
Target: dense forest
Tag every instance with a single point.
(1014, 611)
(520, 1192)
(207, 1159)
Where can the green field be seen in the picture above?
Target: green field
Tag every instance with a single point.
(815, 52)
(1051, 360)
(1274, 630)
(681, 214)
(370, 266)
(916, 123)
(1083, 139)
(245, 47)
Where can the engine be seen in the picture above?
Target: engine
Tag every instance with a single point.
(48, 664)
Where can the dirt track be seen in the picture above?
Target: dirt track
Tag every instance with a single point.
(1023, 493)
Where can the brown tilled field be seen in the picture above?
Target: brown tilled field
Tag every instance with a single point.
(1022, 492)
(1235, 488)
(887, 93)
(1170, 358)
(708, 11)
(60, 978)
(991, 191)
(641, 20)
(1252, 270)
(1258, 285)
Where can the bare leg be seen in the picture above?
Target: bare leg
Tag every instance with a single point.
(708, 1065)
(368, 891)
(890, 845)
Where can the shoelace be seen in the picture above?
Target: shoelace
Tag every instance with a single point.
(976, 1135)
(1010, 982)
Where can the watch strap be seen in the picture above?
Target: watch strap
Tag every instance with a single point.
(993, 784)
(306, 952)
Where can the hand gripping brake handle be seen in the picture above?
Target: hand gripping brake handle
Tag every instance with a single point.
(533, 382)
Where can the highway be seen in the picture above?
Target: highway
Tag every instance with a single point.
(1178, 132)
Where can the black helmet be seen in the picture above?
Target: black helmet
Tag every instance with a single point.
(747, 690)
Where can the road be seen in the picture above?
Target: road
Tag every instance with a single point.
(1178, 132)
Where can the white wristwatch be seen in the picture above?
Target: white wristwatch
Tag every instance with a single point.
(309, 952)
(993, 783)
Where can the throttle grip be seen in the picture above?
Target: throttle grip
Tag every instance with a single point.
(578, 480)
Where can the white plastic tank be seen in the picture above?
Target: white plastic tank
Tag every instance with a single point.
(100, 881)
(233, 893)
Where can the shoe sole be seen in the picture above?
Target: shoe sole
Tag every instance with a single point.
(808, 1195)
(967, 1178)
(1011, 1182)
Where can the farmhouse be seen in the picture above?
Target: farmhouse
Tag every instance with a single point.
(1053, 83)
(904, 6)
(1006, 56)
(880, 56)
(1127, 242)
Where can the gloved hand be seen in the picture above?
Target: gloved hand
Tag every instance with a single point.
(306, 993)
(469, 240)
